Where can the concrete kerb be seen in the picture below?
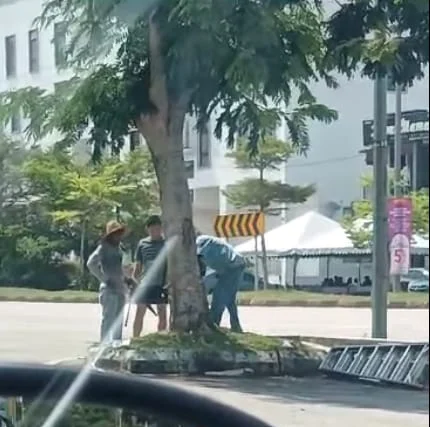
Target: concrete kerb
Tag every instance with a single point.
(287, 360)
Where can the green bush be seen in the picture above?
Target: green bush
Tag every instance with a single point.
(53, 276)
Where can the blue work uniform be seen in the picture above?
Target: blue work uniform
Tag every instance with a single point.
(229, 267)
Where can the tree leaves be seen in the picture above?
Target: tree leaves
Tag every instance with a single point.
(389, 36)
(75, 193)
(241, 60)
(259, 193)
(359, 224)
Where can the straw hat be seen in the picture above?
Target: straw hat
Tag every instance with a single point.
(113, 227)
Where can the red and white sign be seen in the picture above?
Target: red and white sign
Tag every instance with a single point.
(400, 233)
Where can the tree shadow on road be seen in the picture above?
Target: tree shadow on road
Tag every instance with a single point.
(323, 391)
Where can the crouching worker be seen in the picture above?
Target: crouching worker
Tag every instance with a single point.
(229, 267)
(105, 263)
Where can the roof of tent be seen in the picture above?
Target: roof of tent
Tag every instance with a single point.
(309, 231)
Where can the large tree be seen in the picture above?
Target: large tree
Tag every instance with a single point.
(239, 61)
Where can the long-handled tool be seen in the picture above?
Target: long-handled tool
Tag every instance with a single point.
(127, 315)
(132, 283)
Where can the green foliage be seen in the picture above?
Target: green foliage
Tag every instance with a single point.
(230, 57)
(359, 224)
(46, 197)
(76, 194)
(259, 193)
(420, 206)
(271, 154)
(399, 42)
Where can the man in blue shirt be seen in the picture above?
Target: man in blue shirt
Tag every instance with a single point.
(229, 267)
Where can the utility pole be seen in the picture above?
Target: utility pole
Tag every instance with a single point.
(380, 220)
(397, 160)
(284, 179)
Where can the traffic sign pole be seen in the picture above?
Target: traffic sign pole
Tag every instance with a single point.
(398, 161)
(380, 220)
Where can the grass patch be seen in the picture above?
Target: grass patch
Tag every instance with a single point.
(39, 295)
(315, 299)
(270, 298)
(218, 340)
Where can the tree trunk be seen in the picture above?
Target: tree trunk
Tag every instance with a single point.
(188, 304)
(263, 240)
(265, 267)
(163, 131)
(82, 252)
(296, 261)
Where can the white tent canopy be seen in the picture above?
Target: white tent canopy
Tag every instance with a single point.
(419, 242)
(309, 231)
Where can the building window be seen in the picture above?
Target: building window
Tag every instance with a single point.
(15, 123)
(33, 51)
(187, 142)
(10, 51)
(204, 154)
(189, 169)
(60, 44)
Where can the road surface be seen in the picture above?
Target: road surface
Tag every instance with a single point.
(42, 332)
(289, 402)
(45, 331)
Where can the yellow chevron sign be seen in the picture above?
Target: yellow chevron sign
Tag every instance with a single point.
(240, 225)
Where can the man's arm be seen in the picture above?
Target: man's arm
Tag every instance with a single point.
(94, 265)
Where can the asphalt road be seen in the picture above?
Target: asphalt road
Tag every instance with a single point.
(42, 332)
(290, 402)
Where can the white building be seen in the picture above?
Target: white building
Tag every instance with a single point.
(29, 57)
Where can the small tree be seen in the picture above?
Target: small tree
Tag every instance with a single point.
(259, 193)
(85, 196)
(359, 225)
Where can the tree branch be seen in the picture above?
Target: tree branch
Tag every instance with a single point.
(158, 86)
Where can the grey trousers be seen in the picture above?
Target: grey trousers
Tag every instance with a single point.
(112, 303)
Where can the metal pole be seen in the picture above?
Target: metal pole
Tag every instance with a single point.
(256, 269)
(284, 179)
(398, 161)
(380, 234)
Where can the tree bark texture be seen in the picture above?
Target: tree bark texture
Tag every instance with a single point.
(163, 132)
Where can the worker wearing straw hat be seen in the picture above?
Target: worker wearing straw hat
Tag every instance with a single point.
(105, 263)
